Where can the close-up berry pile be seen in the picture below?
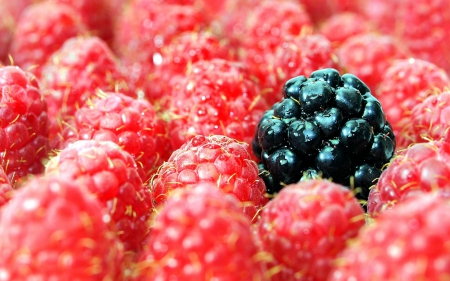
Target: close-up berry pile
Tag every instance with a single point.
(224, 140)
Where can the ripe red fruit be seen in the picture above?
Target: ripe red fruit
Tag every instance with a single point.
(408, 242)
(406, 83)
(41, 30)
(217, 159)
(306, 226)
(173, 60)
(217, 97)
(145, 27)
(339, 27)
(299, 55)
(200, 234)
(429, 120)
(421, 168)
(74, 73)
(368, 55)
(54, 230)
(319, 10)
(95, 14)
(6, 190)
(109, 173)
(130, 123)
(24, 124)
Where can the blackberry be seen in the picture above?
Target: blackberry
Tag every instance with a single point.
(328, 126)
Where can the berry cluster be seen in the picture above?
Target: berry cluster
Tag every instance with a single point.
(240, 140)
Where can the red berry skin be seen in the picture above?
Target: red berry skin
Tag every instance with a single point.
(144, 28)
(109, 173)
(130, 123)
(172, 61)
(54, 230)
(299, 55)
(217, 159)
(217, 97)
(96, 15)
(420, 168)
(306, 226)
(73, 75)
(368, 55)
(41, 30)
(339, 27)
(6, 190)
(200, 234)
(408, 242)
(319, 10)
(405, 83)
(24, 139)
(429, 120)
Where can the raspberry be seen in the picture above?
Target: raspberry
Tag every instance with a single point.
(369, 55)
(24, 139)
(206, 237)
(145, 27)
(128, 122)
(217, 97)
(408, 242)
(172, 61)
(425, 29)
(326, 124)
(6, 190)
(54, 230)
(41, 30)
(339, 27)
(406, 83)
(306, 226)
(217, 159)
(74, 73)
(319, 10)
(267, 26)
(418, 169)
(109, 173)
(299, 55)
(96, 15)
(6, 32)
(428, 120)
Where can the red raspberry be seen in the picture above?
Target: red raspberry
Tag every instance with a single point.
(6, 190)
(429, 120)
(24, 124)
(320, 10)
(306, 226)
(131, 123)
(217, 97)
(96, 15)
(342, 26)
(267, 26)
(216, 159)
(425, 29)
(408, 242)
(200, 234)
(296, 56)
(145, 27)
(110, 173)
(6, 32)
(368, 56)
(172, 61)
(421, 168)
(13, 9)
(384, 14)
(406, 83)
(54, 230)
(74, 73)
(41, 30)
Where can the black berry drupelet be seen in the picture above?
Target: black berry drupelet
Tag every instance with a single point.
(327, 126)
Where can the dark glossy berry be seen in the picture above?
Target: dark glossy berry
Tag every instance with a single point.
(326, 126)
(315, 96)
